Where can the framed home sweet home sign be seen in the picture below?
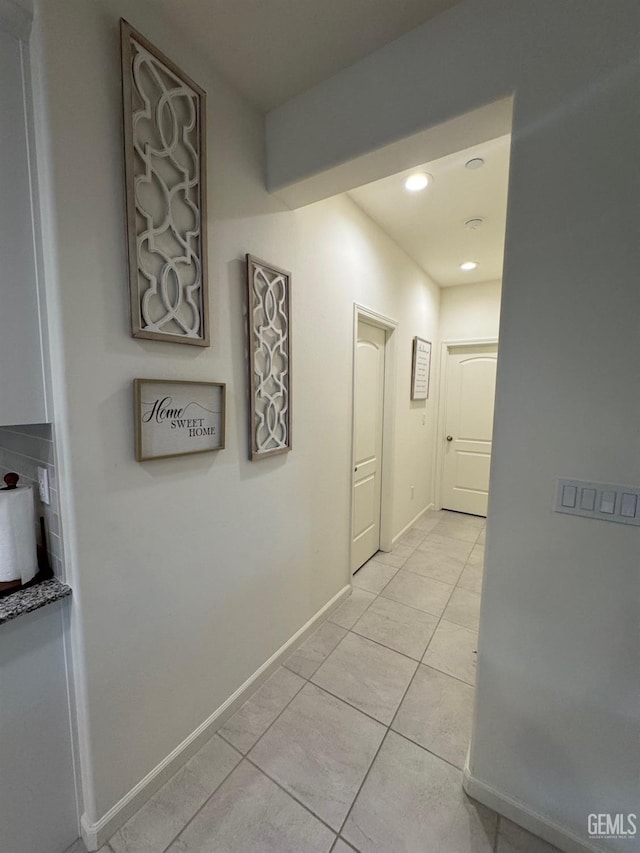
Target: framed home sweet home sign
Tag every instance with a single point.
(175, 418)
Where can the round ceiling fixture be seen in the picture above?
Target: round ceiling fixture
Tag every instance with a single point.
(468, 265)
(474, 163)
(418, 181)
(474, 223)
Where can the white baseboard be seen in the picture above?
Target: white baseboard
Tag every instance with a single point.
(521, 814)
(411, 523)
(96, 834)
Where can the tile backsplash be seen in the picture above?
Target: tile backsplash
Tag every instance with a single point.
(23, 449)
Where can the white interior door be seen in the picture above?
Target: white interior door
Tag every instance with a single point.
(368, 413)
(469, 400)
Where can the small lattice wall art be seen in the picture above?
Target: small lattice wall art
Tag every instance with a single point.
(269, 311)
(165, 182)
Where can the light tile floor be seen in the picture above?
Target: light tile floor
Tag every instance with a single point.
(358, 741)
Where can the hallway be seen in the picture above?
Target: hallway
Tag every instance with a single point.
(359, 740)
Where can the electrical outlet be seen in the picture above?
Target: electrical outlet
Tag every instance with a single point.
(43, 485)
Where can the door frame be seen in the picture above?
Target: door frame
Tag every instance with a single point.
(361, 312)
(445, 347)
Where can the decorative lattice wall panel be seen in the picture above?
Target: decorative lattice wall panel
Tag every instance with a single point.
(165, 174)
(269, 310)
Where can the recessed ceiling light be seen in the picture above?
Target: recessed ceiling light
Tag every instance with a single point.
(469, 265)
(474, 163)
(416, 182)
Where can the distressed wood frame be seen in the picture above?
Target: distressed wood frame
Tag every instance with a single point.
(414, 360)
(138, 385)
(194, 261)
(260, 399)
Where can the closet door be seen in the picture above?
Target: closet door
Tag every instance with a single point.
(369, 416)
(469, 398)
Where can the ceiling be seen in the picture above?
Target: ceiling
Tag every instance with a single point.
(273, 50)
(430, 225)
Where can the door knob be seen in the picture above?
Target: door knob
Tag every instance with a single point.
(449, 438)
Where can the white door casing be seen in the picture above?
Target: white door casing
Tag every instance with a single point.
(469, 396)
(368, 432)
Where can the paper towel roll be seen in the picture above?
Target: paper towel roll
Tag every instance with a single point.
(18, 556)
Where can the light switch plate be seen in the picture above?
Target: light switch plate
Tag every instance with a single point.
(599, 500)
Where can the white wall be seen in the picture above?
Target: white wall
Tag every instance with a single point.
(189, 573)
(556, 728)
(470, 311)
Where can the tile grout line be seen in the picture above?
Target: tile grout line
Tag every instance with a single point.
(240, 752)
(245, 755)
(290, 794)
(446, 620)
(347, 844)
(393, 719)
(411, 605)
(277, 717)
(419, 660)
(420, 663)
(193, 817)
(456, 586)
(453, 588)
(448, 674)
(440, 617)
(381, 594)
(421, 746)
(226, 740)
(463, 562)
(438, 625)
(325, 622)
(362, 614)
(388, 727)
(431, 577)
(361, 785)
(364, 589)
(459, 624)
(383, 645)
(375, 559)
(307, 680)
(355, 707)
(317, 686)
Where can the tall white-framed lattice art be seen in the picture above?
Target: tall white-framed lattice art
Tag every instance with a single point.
(269, 311)
(165, 183)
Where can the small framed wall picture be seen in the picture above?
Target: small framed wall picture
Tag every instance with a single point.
(420, 369)
(175, 418)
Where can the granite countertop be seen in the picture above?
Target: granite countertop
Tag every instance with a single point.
(32, 598)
